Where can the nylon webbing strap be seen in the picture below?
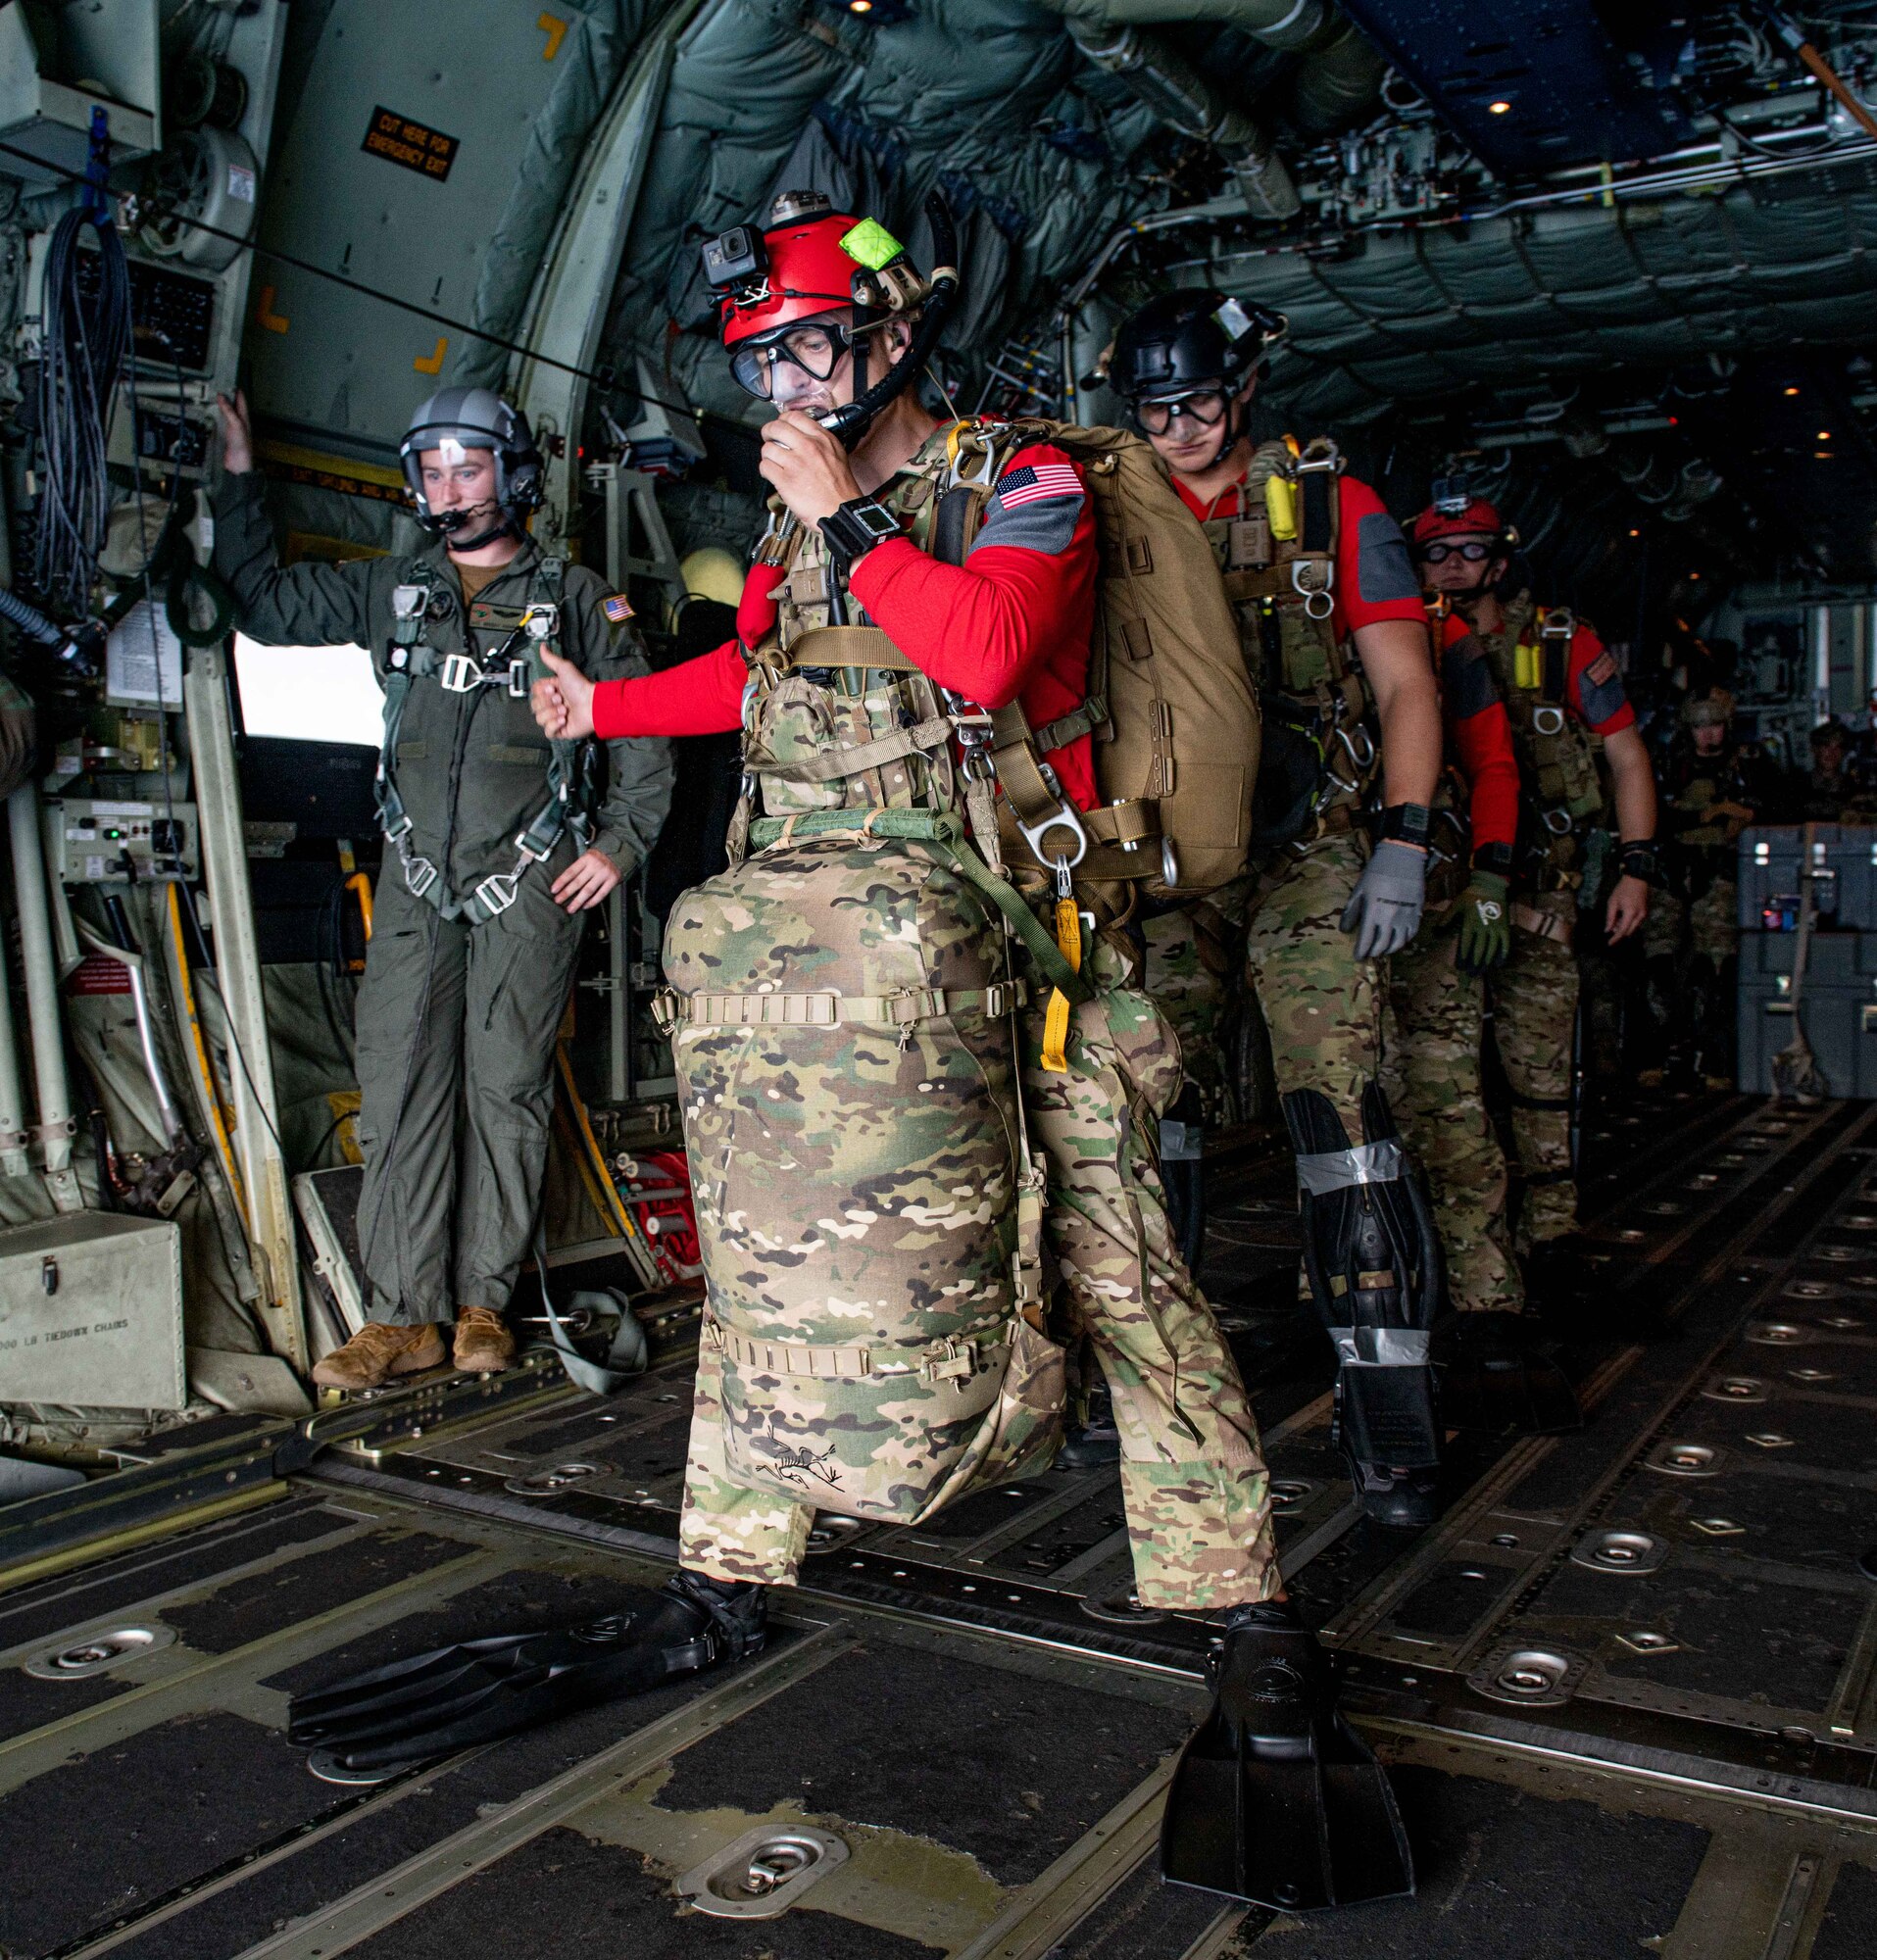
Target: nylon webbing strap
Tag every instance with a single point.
(1316, 526)
(904, 1010)
(1070, 727)
(1547, 925)
(954, 1359)
(846, 647)
(834, 764)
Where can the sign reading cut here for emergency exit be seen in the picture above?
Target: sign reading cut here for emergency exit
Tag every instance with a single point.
(399, 140)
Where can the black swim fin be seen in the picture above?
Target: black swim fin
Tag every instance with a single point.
(455, 1697)
(1276, 1800)
(1496, 1374)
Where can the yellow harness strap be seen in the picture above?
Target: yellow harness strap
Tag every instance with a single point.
(1068, 936)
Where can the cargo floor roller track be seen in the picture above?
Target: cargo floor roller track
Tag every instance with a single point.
(1628, 1686)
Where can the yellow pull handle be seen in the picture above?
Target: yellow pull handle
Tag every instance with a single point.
(1068, 936)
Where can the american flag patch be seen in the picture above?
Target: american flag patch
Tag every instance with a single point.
(1602, 670)
(1036, 484)
(618, 607)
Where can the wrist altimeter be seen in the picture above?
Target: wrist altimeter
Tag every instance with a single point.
(861, 524)
(1641, 857)
(1406, 823)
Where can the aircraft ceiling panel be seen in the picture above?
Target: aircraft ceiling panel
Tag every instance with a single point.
(399, 157)
(1563, 292)
(1526, 85)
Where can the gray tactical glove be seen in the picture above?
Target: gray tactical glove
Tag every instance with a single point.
(1386, 911)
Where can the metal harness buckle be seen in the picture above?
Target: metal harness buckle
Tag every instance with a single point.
(419, 874)
(1318, 600)
(496, 893)
(1547, 718)
(1065, 817)
(460, 674)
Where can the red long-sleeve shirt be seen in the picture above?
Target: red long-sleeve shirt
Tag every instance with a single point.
(1012, 622)
(1479, 734)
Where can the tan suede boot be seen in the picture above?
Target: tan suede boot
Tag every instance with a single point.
(483, 1344)
(378, 1351)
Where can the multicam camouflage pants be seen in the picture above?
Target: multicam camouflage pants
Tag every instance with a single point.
(1195, 976)
(1194, 1485)
(1433, 1081)
(1708, 928)
(1534, 1015)
(1327, 1011)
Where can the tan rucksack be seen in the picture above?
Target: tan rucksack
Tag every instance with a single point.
(1172, 710)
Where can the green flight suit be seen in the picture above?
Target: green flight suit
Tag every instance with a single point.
(456, 1019)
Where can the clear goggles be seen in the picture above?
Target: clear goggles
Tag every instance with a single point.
(1203, 406)
(1473, 550)
(814, 346)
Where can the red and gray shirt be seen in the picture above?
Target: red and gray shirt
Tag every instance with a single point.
(1012, 622)
(1594, 686)
(1375, 576)
(1479, 734)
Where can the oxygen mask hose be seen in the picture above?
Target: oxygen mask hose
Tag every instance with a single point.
(852, 422)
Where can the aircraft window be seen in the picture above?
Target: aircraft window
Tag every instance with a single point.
(309, 694)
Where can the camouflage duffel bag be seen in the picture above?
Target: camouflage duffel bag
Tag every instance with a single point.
(842, 1023)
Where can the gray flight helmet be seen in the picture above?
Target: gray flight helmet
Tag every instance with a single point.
(476, 419)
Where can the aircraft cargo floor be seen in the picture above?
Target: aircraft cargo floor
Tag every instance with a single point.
(1627, 1687)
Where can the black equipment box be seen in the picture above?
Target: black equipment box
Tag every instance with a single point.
(1842, 870)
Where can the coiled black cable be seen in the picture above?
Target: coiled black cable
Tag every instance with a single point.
(84, 340)
(27, 618)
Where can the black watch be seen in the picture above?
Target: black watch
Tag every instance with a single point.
(1494, 858)
(1641, 857)
(1406, 823)
(857, 527)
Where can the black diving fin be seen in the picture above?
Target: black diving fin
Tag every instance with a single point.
(433, 1704)
(1498, 1373)
(1276, 1800)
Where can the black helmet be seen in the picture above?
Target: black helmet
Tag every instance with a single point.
(475, 418)
(1184, 340)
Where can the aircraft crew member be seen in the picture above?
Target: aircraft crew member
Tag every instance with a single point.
(1333, 628)
(498, 844)
(1691, 943)
(1564, 696)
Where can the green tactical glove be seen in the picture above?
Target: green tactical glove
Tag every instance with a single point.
(1484, 923)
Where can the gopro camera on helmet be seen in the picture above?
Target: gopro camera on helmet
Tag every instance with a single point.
(735, 258)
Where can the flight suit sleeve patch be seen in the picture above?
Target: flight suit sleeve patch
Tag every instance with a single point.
(1600, 690)
(1384, 571)
(618, 607)
(1467, 679)
(1035, 507)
